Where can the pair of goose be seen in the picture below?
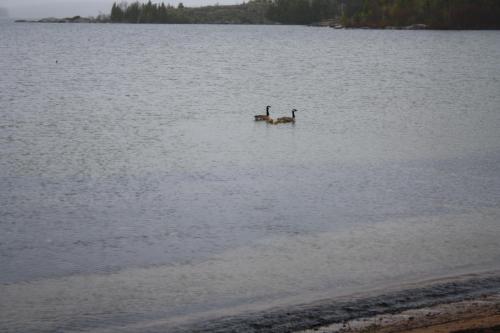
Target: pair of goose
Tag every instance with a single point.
(282, 120)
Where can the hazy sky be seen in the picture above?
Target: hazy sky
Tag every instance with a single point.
(59, 8)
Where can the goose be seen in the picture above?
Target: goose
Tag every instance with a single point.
(283, 120)
(262, 117)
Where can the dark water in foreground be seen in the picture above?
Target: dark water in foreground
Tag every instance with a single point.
(135, 186)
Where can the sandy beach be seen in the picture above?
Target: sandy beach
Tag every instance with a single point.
(455, 304)
(476, 315)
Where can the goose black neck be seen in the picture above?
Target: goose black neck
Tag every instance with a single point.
(293, 113)
(267, 110)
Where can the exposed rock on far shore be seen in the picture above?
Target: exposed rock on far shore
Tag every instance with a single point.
(417, 26)
(74, 19)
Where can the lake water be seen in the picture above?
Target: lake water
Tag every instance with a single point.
(136, 187)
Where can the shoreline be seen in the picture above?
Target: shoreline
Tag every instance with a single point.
(464, 317)
(413, 27)
(466, 301)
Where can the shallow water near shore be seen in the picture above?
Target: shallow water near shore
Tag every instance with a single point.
(135, 186)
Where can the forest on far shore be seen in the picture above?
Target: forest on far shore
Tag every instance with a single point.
(436, 14)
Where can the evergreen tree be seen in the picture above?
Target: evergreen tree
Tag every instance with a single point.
(132, 13)
(374, 13)
(162, 13)
(116, 13)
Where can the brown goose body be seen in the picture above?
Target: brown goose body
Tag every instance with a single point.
(284, 120)
(263, 117)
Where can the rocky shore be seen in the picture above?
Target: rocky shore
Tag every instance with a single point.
(74, 19)
(336, 24)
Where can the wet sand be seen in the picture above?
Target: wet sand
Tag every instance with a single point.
(476, 315)
(444, 305)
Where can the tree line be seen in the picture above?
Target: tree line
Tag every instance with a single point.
(145, 13)
(253, 12)
(441, 14)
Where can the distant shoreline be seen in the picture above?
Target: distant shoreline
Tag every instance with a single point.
(393, 15)
(87, 20)
(74, 19)
(61, 21)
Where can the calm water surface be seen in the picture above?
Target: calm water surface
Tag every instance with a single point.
(135, 186)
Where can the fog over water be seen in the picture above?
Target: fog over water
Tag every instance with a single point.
(135, 185)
